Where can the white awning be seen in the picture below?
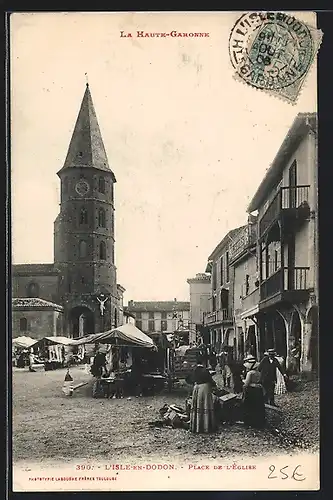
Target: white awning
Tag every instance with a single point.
(24, 341)
(125, 335)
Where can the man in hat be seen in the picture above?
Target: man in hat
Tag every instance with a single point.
(267, 368)
(99, 364)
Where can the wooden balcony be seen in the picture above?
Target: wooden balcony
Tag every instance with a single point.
(215, 317)
(285, 284)
(291, 202)
(245, 239)
(251, 300)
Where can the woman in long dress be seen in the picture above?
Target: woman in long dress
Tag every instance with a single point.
(253, 395)
(202, 418)
(280, 386)
(31, 361)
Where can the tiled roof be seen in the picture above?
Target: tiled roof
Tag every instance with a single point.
(228, 238)
(33, 269)
(166, 305)
(86, 148)
(200, 277)
(128, 313)
(303, 123)
(31, 302)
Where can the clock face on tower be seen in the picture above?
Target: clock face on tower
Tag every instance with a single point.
(82, 187)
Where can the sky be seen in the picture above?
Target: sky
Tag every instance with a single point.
(188, 143)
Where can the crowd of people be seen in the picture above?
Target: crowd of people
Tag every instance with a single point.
(122, 372)
(257, 382)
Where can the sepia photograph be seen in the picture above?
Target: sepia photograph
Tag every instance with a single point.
(164, 232)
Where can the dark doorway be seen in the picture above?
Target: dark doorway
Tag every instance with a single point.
(241, 343)
(251, 342)
(280, 336)
(273, 334)
(230, 342)
(82, 322)
(224, 298)
(295, 342)
(292, 185)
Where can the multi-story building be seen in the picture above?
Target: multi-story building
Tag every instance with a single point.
(268, 295)
(160, 316)
(199, 304)
(220, 319)
(287, 205)
(245, 275)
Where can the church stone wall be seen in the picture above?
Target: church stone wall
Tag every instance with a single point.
(47, 286)
(40, 323)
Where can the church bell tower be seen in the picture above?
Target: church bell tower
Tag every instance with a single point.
(84, 230)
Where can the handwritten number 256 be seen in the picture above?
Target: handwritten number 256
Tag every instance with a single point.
(297, 476)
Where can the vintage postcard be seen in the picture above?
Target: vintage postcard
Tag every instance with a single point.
(164, 308)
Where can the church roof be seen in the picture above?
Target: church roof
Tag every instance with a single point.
(33, 269)
(86, 149)
(34, 302)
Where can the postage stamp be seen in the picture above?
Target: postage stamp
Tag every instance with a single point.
(162, 323)
(273, 52)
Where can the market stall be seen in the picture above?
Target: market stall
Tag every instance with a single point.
(20, 351)
(132, 360)
(185, 359)
(164, 349)
(53, 351)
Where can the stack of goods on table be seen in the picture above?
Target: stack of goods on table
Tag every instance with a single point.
(172, 416)
(230, 410)
(228, 406)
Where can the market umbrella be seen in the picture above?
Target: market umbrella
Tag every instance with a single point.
(125, 335)
(53, 341)
(88, 339)
(24, 341)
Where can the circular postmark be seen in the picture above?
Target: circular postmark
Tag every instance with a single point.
(271, 50)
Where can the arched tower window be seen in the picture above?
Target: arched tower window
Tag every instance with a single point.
(101, 185)
(23, 324)
(102, 250)
(83, 216)
(66, 185)
(82, 249)
(32, 290)
(101, 217)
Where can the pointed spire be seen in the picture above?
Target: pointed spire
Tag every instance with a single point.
(86, 148)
